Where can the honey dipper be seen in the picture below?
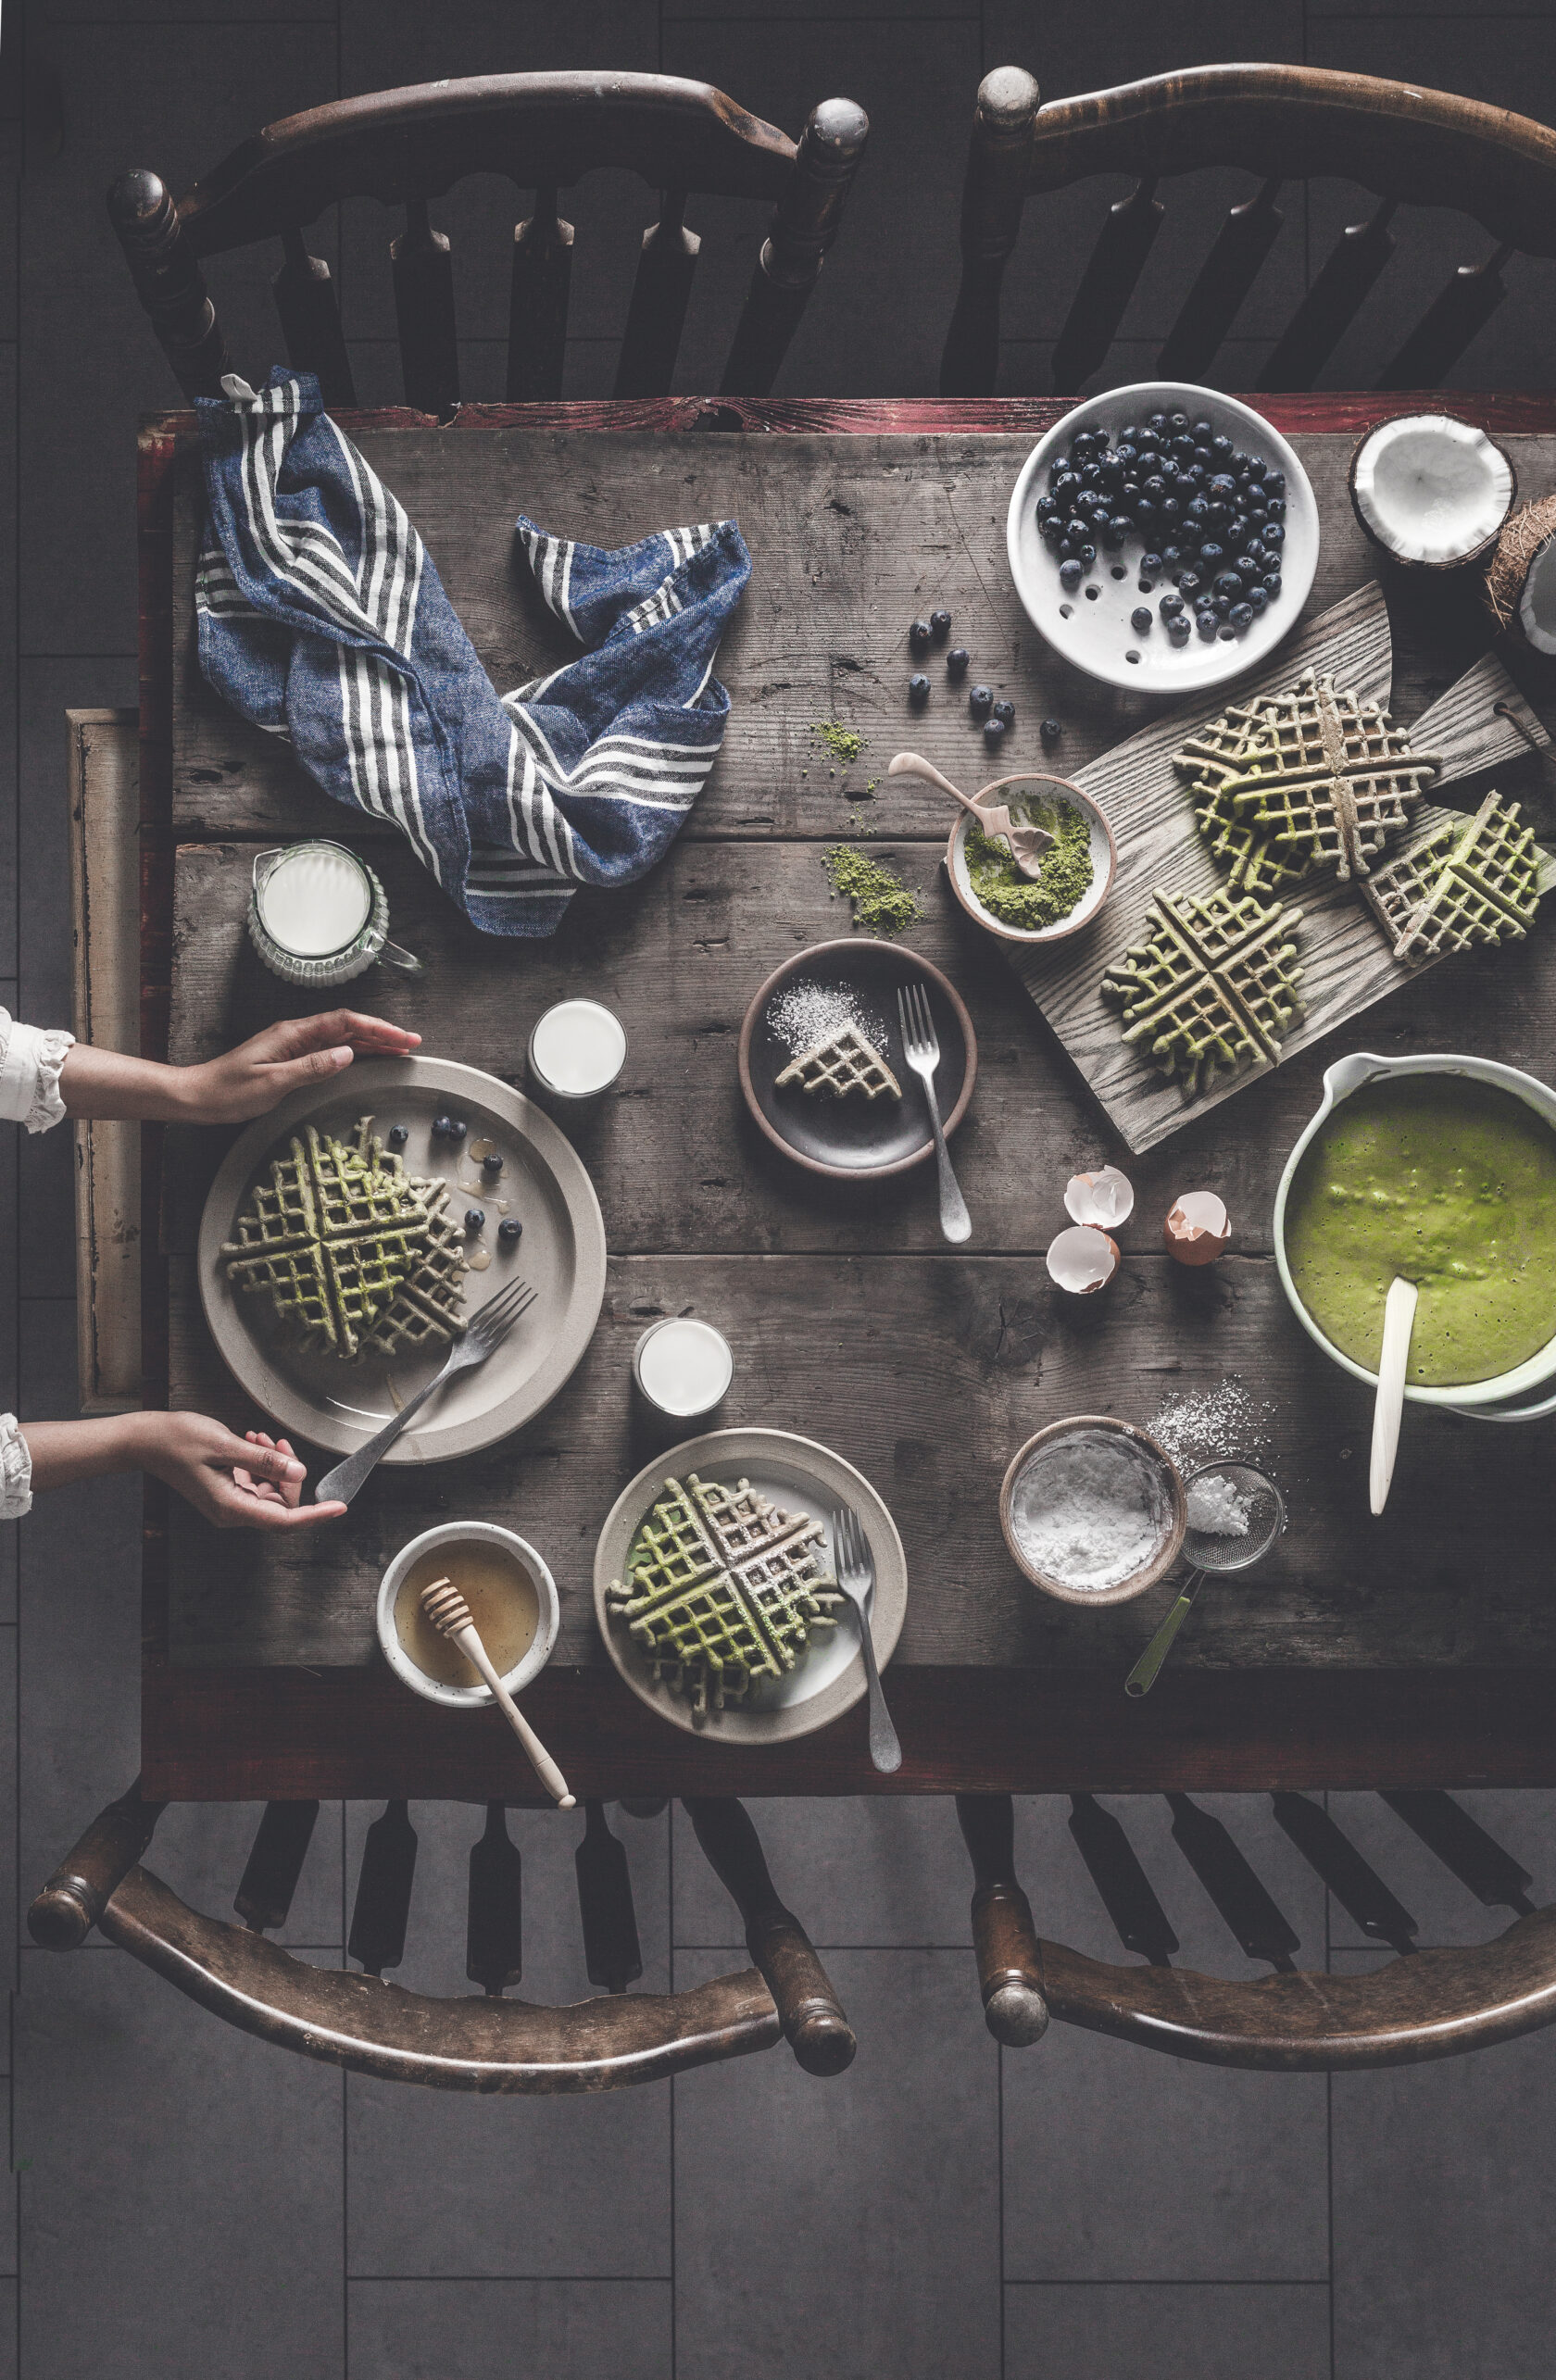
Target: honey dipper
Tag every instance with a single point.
(447, 1609)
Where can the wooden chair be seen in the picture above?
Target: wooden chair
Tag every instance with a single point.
(1278, 124)
(1423, 2004)
(478, 2043)
(542, 131)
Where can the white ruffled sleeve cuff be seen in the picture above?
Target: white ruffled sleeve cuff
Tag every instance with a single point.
(16, 1470)
(29, 1064)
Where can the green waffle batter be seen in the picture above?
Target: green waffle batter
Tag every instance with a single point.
(1450, 1184)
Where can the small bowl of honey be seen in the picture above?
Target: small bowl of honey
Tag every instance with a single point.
(512, 1599)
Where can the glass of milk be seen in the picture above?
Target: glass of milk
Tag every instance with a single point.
(577, 1049)
(317, 915)
(683, 1366)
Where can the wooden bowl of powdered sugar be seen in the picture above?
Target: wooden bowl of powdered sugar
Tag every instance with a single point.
(1093, 1509)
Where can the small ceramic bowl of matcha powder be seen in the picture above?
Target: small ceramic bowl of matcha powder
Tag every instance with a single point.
(1077, 868)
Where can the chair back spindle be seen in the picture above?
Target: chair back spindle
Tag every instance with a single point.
(539, 288)
(422, 264)
(1004, 1938)
(1278, 124)
(611, 1955)
(310, 323)
(1139, 1918)
(816, 2028)
(662, 293)
(381, 1909)
(1465, 1849)
(1255, 1923)
(494, 1912)
(264, 1895)
(169, 281)
(805, 223)
(1358, 1887)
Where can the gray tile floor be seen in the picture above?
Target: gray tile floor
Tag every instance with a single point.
(181, 2201)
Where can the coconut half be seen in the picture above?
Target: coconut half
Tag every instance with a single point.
(1521, 576)
(1432, 492)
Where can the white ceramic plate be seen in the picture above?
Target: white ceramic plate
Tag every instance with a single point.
(1096, 635)
(801, 1476)
(337, 1404)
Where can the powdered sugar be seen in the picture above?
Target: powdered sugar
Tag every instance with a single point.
(805, 1012)
(1215, 1508)
(1089, 1510)
(1219, 1424)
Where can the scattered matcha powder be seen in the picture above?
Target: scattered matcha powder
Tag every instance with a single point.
(844, 744)
(882, 902)
(1027, 902)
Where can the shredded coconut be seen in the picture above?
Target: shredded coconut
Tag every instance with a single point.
(1091, 1510)
(1219, 1424)
(805, 1013)
(1215, 1508)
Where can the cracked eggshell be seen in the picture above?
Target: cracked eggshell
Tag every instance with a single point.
(1082, 1260)
(1102, 1199)
(1197, 1228)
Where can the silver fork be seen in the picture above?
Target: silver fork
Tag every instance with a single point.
(482, 1334)
(856, 1576)
(920, 1047)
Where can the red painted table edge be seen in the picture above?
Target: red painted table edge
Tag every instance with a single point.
(254, 1734)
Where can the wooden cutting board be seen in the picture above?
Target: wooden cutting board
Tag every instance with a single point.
(1347, 963)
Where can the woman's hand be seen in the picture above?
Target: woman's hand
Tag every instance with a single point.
(252, 1482)
(246, 1082)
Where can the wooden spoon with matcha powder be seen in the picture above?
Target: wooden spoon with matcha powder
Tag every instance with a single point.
(1026, 844)
(1399, 1320)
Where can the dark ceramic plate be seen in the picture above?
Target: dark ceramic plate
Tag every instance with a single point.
(855, 1136)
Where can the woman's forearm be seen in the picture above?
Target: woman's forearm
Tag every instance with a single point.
(105, 1085)
(65, 1451)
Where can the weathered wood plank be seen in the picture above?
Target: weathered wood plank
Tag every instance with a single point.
(1346, 959)
(872, 1355)
(675, 1159)
(851, 538)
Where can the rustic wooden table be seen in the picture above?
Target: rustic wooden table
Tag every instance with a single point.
(1417, 1650)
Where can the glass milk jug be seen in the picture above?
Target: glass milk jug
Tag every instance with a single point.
(317, 915)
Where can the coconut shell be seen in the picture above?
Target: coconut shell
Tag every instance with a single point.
(1521, 540)
(1411, 562)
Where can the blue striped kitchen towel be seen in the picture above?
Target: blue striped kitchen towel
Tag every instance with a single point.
(322, 619)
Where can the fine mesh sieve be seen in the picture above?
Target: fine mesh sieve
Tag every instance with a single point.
(1250, 1508)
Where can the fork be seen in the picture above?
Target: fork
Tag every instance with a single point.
(920, 1047)
(856, 1576)
(482, 1336)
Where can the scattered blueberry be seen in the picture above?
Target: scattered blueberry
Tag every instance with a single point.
(443, 1127)
(1207, 623)
(1006, 713)
(1258, 597)
(1051, 730)
(398, 1135)
(1178, 628)
(1241, 615)
(1140, 618)
(510, 1228)
(918, 637)
(918, 690)
(458, 1128)
(492, 1163)
(475, 1220)
(1271, 584)
(980, 699)
(957, 660)
(994, 734)
(1070, 573)
(939, 626)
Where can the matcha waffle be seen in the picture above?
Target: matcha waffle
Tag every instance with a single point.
(1211, 761)
(722, 1589)
(1211, 987)
(847, 1060)
(427, 1309)
(1470, 883)
(331, 1237)
(1325, 778)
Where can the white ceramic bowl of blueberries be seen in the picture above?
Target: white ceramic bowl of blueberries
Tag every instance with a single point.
(1163, 537)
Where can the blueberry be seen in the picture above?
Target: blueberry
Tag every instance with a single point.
(492, 1164)
(476, 1219)
(1170, 605)
(1173, 557)
(1228, 583)
(1140, 618)
(1274, 532)
(458, 1128)
(1051, 730)
(1179, 630)
(1006, 713)
(398, 1135)
(980, 699)
(939, 626)
(1127, 436)
(917, 688)
(1220, 448)
(1274, 484)
(1203, 431)
(1274, 508)
(1075, 530)
(957, 660)
(918, 637)
(1212, 555)
(1271, 583)
(1257, 596)
(1177, 423)
(510, 1228)
(1157, 422)
(1221, 606)
(994, 734)
(1241, 615)
(1150, 566)
(1114, 531)
(1207, 623)
(1227, 634)
(1195, 510)
(1046, 507)
(1190, 584)
(1070, 577)
(443, 1127)
(1052, 531)
(1087, 554)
